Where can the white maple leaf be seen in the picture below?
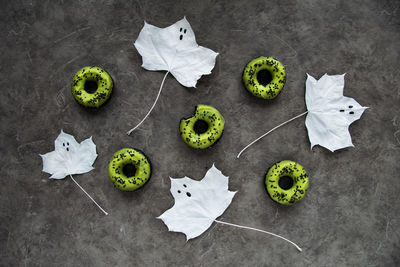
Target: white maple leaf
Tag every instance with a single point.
(69, 157)
(173, 49)
(197, 203)
(329, 112)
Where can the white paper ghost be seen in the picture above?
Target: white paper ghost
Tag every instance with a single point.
(197, 203)
(329, 112)
(69, 157)
(173, 49)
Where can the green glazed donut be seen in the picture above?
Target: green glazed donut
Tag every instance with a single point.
(129, 169)
(286, 182)
(264, 77)
(204, 128)
(92, 86)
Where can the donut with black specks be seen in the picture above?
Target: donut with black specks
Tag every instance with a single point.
(296, 182)
(264, 77)
(92, 86)
(204, 128)
(129, 169)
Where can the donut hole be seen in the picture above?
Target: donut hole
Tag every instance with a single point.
(129, 170)
(200, 126)
(285, 182)
(264, 77)
(90, 87)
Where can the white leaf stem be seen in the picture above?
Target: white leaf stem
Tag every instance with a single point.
(270, 131)
(88, 195)
(258, 230)
(148, 113)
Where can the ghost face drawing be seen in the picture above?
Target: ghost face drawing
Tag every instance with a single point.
(183, 188)
(184, 33)
(65, 142)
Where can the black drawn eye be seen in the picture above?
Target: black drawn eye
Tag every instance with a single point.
(184, 185)
(179, 191)
(67, 144)
(63, 144)
(184, 31)
(180, 30)
(188, 194)
(350, 106)
(342, 110)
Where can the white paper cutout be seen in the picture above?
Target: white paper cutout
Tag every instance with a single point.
(329, 113)
(199, 203)
(174, 49)
(69, 157)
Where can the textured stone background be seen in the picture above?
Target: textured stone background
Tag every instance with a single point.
(350, 215)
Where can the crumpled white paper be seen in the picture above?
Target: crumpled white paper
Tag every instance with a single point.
(329, 112)
(69, 157)
(197, 203)
(174, 49)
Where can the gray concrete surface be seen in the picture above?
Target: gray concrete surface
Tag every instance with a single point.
(350, 215)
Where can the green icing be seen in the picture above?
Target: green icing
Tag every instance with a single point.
(129, 156)
(104, 86)
(215, 129)
(290, 169)
(278, 75)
